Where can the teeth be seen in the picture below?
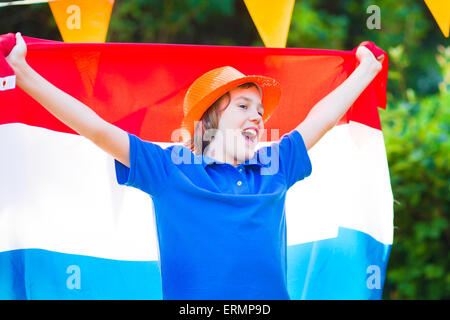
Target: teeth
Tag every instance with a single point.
(249, 133)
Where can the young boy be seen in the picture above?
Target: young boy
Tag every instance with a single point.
(225, 235)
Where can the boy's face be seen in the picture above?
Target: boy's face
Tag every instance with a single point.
(240, 126)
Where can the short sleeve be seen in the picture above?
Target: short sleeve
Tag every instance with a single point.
(294, 158)
(149, 166)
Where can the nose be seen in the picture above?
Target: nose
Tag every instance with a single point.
(256, 119)
(255, 116)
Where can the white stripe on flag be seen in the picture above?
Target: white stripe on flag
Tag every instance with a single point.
(59, 192)
(349, 187)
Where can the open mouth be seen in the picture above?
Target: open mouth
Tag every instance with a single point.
(250, 135)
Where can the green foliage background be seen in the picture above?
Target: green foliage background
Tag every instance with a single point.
(415, 123)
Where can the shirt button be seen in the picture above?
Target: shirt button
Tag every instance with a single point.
(240, 170)
(239, 183)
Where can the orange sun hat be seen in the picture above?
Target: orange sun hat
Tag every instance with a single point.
(209, 87)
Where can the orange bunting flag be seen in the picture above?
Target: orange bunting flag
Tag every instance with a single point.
(272, 19)
(440, 9)
(82, 20)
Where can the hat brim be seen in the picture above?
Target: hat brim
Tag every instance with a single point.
(271, 95)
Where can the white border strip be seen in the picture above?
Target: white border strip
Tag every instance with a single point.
(22, 2)
(7, 83)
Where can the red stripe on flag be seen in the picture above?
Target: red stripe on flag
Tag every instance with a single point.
(140, 87)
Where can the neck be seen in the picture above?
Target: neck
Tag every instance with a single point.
(216, 152)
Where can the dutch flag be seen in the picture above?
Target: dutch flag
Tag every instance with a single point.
(68, 230)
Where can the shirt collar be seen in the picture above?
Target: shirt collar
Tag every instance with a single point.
(260, 158)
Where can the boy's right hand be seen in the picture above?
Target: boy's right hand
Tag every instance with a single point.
(16, 58)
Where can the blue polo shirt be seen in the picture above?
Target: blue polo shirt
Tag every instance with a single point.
(221, 229)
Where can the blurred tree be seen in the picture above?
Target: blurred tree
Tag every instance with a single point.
(405, 24)
(215, 22)
(31, 20)
(416, 132)
(314, 27)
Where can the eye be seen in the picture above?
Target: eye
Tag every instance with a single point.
(242, 106)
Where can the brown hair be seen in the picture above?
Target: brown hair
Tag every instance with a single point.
(210, 120)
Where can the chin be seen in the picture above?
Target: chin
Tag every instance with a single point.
(245, 155)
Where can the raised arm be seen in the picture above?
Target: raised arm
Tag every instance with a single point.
(327, 112)
(69, 110)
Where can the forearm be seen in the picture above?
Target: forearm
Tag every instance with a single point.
(328, 111)
(334, 106)
(67, 109)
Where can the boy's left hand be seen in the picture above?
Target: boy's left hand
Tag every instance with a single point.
(367, 58)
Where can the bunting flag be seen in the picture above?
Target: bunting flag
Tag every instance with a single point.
(272, 19)
(68, 230)
(82, 20)
(440, 9)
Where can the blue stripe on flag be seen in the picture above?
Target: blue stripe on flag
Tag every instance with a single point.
(42, 274)
(351, 266)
